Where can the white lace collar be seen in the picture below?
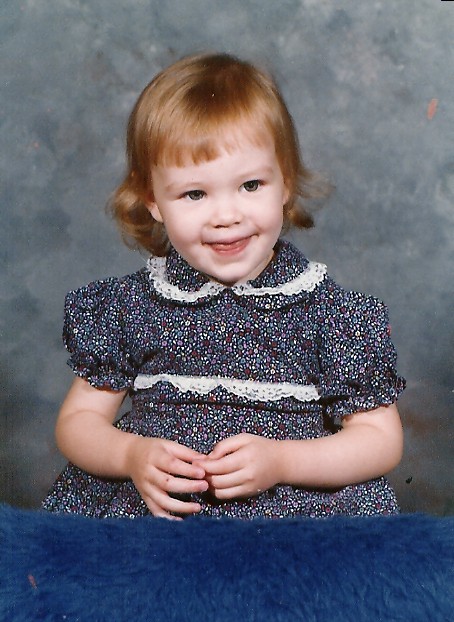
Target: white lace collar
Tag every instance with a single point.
(307, 281)
(289, 260)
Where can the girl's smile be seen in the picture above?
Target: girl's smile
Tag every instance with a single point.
(231, 248)
(223, 216)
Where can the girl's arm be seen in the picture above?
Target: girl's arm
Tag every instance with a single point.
(368, 446)
(86, 436)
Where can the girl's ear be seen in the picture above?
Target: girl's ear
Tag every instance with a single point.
(154, 210)
(286, 196)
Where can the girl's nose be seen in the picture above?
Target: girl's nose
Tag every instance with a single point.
(225, 213)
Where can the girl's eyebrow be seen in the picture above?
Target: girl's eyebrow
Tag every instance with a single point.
(259, 171)
(178, 186)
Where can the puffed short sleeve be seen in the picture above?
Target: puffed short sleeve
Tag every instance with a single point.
(94, 335)
(357, 357)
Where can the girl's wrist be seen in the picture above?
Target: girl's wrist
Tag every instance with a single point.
(290, 461)
(280, 461)
(129, 453)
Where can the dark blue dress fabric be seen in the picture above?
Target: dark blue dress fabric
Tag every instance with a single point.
(285, 356)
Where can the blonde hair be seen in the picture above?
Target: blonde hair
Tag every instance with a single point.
(189, 112)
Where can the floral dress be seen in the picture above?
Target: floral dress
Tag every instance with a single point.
(285, 356)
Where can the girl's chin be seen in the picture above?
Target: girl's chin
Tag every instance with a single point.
(229, 278)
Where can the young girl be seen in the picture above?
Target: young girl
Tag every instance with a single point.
(259, 387)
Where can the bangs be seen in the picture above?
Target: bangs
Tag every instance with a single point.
(192, 146)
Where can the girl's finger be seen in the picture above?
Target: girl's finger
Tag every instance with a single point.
(224, 482)
(224, 465)
(169, 483)
(163, 504)
(175, 466)
(228, 445)
(234, 492)
(184, 453)
(159, 512)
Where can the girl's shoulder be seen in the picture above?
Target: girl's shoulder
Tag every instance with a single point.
(337, 303)
(318, 290)
(107, 290)
(331, 289)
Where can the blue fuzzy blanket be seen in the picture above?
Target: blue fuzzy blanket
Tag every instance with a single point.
(68, 568)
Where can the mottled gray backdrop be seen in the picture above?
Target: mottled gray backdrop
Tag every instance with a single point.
(371, 88)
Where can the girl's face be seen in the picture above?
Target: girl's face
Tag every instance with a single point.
(223, 216)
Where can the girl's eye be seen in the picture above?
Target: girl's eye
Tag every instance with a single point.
(252, 185)
(194, 195)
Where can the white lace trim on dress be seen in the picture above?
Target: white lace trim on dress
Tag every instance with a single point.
(249, 389)
(306, 281)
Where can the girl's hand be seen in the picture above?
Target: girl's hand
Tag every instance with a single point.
(159, 467)
(242, 466)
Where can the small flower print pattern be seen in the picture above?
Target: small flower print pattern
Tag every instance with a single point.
(330, 346)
